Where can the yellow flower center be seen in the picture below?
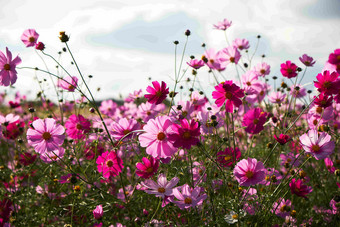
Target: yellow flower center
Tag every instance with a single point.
(161, 190)
(249, 174)
(188, 200)
(31, 39)
(7, 67)
(315, 148)
(227, 158)
(228, 95)
(109, 163)
(235, 216)
(232, 59)
(46, 135)
(79, 127)
(161, 136)
(149, 170)
(186, 135)
(262, 71)
(126, 131)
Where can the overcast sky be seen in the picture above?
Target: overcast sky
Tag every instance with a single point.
(122, 43)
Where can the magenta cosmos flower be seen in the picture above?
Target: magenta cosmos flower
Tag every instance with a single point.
(147, 168)
(307, 60)
(156, 137)
(123, 128)
(185, 135)
(109, 164)
(282, 208)
(157, 93)
(254, 120)
(288, 69)
(98, 212)
(228, 157)
(334, 58)
(327, 83)
(68, 83)
(249, 172)
(228, 92)
(282, 138)
(188, 197)
(29, 37)
(298, 188)
(8, 74)
(317, 144)
(162, 188)
(46, 135)
(77, 126)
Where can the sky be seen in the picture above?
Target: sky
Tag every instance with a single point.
(123, 43)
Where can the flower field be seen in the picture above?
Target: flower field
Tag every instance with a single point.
(259, 150)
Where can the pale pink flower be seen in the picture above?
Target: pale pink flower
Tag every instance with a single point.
(162, 188)
(68, 83)
(317, 144)
(230, 55)
(188, 197)
(29, 37)
(223, 25)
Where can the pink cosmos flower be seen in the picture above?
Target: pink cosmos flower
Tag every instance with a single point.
(262, 69)
(157, 93)
(196, 64)
(98, 212)
(289, 159)
(29, 37)
(307, 60)
(254, 120)
(162, 188)
(77, 126)
(68, 83)
(53, 156)
(329, 165)
(298, 91)
(277, 97)
(241, 44)
(46, 135)
(40, 46)
(317, 144)
(251, 83)
(109, 164)
(282, 208)
(288, 69)
(282, 138)
(230, 55)
(327, 83)
(213, 59)
(123, 128)
(228, 92)
(334, 58)
(137, 94)
(185, 135)
(147, 168)
(188, 197)
(223, 25)
(8, 74)
(228, 157)
(156, 138)
(298, 188)
(249, 172)
(108, 107)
